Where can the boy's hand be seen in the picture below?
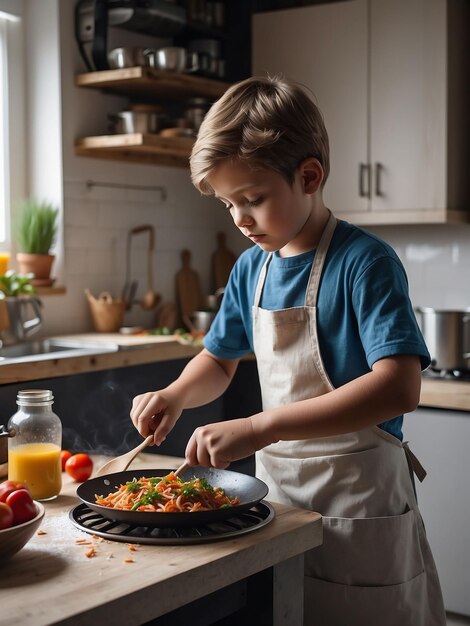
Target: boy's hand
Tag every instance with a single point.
(217, 445)
(155, 412)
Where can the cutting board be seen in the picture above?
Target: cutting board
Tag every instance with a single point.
(118, 339)
(188, 287)
(223, 260)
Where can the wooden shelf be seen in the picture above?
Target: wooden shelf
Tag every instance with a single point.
(146, 82)
(426, 216)
(51, 291)
(137, 147)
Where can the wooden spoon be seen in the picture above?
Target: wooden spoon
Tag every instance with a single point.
(121, 463)
(181, 468)
(150, 299)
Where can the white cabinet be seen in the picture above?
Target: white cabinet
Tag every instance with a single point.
(408, 104)
(391, 80)
(440, 440)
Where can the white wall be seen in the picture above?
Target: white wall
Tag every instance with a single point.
(96, 221)
(14, 7)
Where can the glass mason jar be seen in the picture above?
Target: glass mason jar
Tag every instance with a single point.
(35, 443)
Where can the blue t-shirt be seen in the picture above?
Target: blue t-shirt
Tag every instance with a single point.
(364, 311)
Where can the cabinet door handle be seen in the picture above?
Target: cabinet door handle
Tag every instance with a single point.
(379, 168)
(364, 180)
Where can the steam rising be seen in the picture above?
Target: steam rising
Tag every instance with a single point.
(104, 425)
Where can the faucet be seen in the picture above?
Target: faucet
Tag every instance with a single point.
(17, 326)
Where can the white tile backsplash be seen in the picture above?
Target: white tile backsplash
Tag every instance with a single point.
(96, 224)
(437, 261)
(436, 258)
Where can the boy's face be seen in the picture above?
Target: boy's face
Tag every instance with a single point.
(263, 205)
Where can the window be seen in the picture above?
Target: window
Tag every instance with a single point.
(12, 150)
(4, 141)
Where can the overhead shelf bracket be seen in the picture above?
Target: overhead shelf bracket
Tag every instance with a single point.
(162, 190)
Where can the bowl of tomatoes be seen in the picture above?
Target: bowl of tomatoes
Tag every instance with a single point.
(20, 516)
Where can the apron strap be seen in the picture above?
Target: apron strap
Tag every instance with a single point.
(261, 279)
(413, 464)
(318, 262)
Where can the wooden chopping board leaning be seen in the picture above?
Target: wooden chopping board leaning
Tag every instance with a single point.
(223, 260)
(188, 289)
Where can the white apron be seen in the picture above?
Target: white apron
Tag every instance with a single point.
(375, 567)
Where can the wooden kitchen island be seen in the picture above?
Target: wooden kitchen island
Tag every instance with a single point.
(52, 581)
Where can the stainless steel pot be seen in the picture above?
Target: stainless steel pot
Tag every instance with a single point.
(209, 55)
(196, 111)
(447, 335)
(138, 120)
(201, 320)
(172, 59)
(126, 57)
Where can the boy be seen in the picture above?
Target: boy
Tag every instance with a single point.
(325, 308)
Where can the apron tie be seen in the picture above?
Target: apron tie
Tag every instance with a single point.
(413, 463)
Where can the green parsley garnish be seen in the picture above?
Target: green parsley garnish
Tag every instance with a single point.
(149, 498)
(133, 486)
(188, 490)
(205, 484)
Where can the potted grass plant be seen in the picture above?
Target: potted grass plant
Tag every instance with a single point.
(36, 230)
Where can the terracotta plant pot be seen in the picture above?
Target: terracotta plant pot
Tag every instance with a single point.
(38, 264)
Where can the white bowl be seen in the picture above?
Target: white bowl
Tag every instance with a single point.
(14, 538)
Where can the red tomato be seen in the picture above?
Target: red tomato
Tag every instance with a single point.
(22, 505)
(8, 486)
(6, 516)
(79, 467)
(64, 457)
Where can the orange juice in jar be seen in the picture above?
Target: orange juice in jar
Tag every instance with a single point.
(38, 466)
(4, 262)
(35, 443)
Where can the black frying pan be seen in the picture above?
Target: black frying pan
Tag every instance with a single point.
(248, 489)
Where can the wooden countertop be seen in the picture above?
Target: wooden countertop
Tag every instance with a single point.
(132, 354)
(139, 350)
(51, 581)
(445, 394)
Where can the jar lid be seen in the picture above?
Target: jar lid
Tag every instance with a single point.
(30, 397)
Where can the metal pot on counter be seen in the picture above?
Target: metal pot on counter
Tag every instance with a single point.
(447, 335)
(201, 320)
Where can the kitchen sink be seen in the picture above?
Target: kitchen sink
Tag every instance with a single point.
(43, 349)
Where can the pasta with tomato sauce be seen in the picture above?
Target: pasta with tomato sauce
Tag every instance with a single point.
(167, 494)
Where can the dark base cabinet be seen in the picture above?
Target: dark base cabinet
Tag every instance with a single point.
(94, 408)
(248, 601)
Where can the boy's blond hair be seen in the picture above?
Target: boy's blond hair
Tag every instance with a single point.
(267, 122)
